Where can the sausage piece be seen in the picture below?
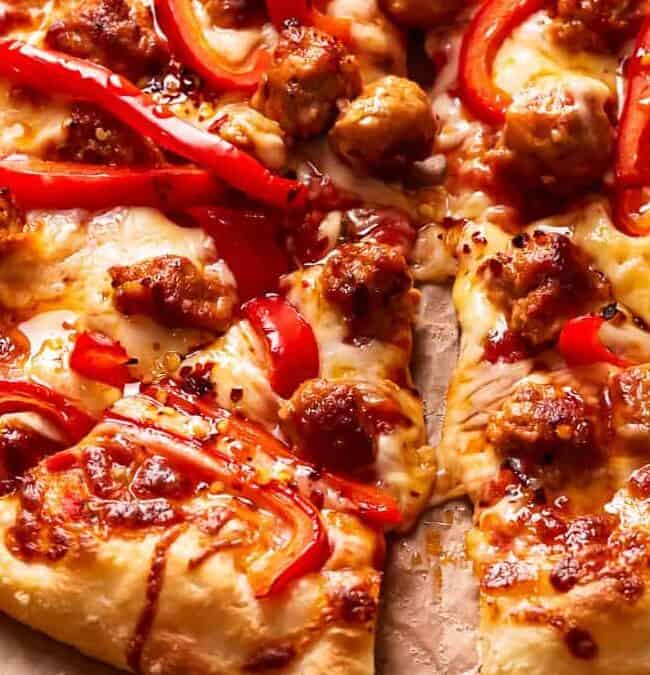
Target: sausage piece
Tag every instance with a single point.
(311, 74)
(386, 128)
(172, 291)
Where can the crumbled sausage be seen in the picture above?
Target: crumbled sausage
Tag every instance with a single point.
(630, 397)
(368, 282)
(543, 281)
(311, 74)
(421, 14)
(236, 13)
(389, 126)
(171, 290)
(594, 25)
(335, 423)
(557, 134)
(541, 418)
(94, 137)
(115, 33)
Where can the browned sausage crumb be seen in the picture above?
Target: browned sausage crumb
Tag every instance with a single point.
(110, 32)
(171, 290)
(311, 74)
(558, 135)
(335, 423)
(368, 282)
(94, 137)
(236, 13)
(594, 25)
(540, 418)
(542, 282)
(389, 126)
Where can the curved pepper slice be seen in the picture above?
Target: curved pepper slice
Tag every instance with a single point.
(38, 184)
(82, 80)
(96, 356)
(373, 505)
(491, 25)
(633, 144)
(580, 344)
(306, 550)
(186, 35)
(20, 396)
(249, 242)
(290, 342)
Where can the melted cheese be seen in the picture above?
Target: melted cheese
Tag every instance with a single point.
(529, 54)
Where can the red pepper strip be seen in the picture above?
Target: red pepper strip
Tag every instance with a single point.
(491, 25)
(82, 80)
(633, 145)
(580, 345)
(373, 505)
(38, 184)
(73, 422)
(187, 37)
(249, 241)
(305, 551)
(96, 356)
(289, 339)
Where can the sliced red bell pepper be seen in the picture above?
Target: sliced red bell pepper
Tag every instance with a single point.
(290, 341)
(633, 144)
(70, 420)
(96, 356)
(82, 80)
(250, 242)
(580, 345)
(632, 167)
(38, 184)
(187, 38)
(306, 550)
(373, 505)
(491, 25)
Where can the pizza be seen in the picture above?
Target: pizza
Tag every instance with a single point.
(542, 220)
(207, 417)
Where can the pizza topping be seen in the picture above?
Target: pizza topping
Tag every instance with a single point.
(171, 290)
(83, 81)
(543, 281)
(504, 575)
(39, 184)
(250, 241)
(96, 356)
(595, 25)
(368, 282)
(114, 33)
(311, 74)
(557, 133)
(188, 39)
(422, 14)
(72, 422)
(336, 424)
(389, 126)
(290, 341)
(579, 343)
(540, 419)
(491, 25)
(93, 137)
